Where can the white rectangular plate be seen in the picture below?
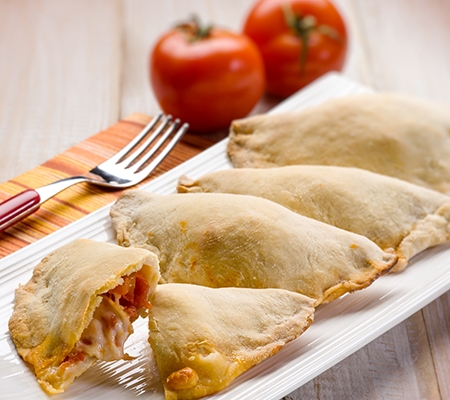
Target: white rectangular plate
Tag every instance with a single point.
(339, 329)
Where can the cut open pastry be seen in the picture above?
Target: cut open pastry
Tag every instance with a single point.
(393, 213)
(203, 338)
(78, 308)
(218, 240)
(390, 134)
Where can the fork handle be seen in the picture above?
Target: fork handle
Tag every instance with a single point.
(18, 207)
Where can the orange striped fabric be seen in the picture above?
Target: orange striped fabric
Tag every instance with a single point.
(82, 199)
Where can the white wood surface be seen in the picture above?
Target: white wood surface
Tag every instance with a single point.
(71, 68)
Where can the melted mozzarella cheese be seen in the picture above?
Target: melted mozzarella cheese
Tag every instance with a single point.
(110, 327)
(105, 336)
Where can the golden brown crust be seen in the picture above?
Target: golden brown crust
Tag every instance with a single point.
(393, 213)
(204, 338)
(184, 378)
(56, 305)
(390, 134)
(219, 240)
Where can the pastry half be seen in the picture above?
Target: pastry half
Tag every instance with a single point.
(78, 308)
(390, 134)
(218, 240)
(393, 213)
(204, 338)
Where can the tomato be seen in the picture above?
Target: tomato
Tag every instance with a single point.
(299, 40)
(206, 77)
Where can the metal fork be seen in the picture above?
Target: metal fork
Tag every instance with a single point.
(126, 168)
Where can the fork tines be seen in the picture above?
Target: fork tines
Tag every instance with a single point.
(144, 153)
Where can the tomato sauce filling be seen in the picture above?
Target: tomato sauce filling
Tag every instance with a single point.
(106, 334)
(132, 294)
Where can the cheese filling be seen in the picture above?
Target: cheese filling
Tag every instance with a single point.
(105, 336)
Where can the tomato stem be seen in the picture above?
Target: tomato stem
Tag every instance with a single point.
(302, 26)
(195, 30)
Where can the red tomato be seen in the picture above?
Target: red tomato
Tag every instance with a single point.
(206, 77)
(299, 40)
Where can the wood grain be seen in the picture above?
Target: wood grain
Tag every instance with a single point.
(438, 326)
(388, 368)
(59, 77)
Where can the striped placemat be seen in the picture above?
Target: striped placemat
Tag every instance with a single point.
(82, 199)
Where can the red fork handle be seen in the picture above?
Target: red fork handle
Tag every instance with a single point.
(18, 207)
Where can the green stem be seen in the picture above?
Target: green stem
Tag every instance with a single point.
(195, 29)
(302, 26)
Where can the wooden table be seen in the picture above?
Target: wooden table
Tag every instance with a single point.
(69, 69)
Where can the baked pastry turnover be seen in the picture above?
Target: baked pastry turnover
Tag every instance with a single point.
(203, 338)
(393, 213)
(219, 240)
(78, 308)
(390, 134)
